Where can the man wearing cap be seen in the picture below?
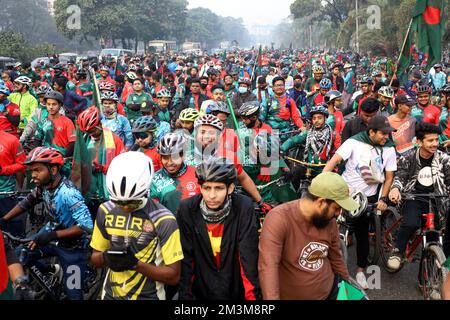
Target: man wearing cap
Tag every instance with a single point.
(403, 123)
(299, 248)
(371, 163)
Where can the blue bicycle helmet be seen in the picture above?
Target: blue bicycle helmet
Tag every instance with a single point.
(325, 83)
(145, 124)
(319, 109)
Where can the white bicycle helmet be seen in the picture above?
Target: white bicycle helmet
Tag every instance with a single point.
(210, 120)
(129, 176)
(23, 80)
(361, 199)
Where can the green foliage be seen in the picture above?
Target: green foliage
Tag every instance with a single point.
(13, 44)
(145, 20)
(31, 18)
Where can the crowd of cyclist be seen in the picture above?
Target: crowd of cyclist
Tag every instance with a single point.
(188, 153)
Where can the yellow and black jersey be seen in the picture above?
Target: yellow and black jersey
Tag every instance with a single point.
(151, 233)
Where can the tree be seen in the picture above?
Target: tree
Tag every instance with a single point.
(234, 29)
(136, 20)
(203, 25)
(14, 44)
(32, 19)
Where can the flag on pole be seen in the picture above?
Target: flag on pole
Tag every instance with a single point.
(260, 57)
(426, 32)
(349, 292)
(97, 100)
(81, 174)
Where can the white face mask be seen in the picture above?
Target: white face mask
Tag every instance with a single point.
(242, 89)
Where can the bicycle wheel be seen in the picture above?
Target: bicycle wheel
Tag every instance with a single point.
(389, 222)
(434, 273)
(374, 239)
(93, 282)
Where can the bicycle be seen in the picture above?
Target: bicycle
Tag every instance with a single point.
(48, 284)
(432, 273)
(305, 181)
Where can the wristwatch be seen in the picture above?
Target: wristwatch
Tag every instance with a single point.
(384, 199)
(20, 282)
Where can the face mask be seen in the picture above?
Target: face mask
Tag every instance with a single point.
(242, 90)
(298, 85)
(203, 85)
(109, 113)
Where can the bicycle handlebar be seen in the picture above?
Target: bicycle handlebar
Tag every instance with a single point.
(412, 196)
(16, 192)
(16, 239)
(306, 164)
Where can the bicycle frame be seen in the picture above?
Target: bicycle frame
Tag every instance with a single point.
(427, 229)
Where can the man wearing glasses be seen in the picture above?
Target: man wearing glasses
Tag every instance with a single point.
(144, 132)
(137, 239)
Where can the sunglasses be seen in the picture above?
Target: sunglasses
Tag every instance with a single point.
(141, 135)
(132, 204)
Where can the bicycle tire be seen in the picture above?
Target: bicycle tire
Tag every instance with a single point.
(93, 292)
(387, 242)
(433, 256)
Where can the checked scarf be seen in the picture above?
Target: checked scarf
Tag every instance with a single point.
(319, 142)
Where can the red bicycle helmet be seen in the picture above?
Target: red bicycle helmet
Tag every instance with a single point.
(89, 118)
(45, 155)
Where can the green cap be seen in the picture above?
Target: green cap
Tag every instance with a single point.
(331, 186)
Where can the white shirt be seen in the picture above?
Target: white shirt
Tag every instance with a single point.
(352, 150)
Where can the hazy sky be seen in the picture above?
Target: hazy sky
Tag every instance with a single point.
(252, 11)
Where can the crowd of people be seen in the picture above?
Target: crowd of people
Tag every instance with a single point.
(195, 195)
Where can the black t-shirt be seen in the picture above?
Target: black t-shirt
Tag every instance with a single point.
(424, 182)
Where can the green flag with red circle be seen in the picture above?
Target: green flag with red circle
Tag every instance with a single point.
(426, 31)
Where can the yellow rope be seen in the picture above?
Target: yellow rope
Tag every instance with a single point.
(306, 163)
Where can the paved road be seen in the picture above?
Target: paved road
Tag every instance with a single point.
(398, 286)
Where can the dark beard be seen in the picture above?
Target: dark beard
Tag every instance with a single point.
(319, 221)
(251, 125)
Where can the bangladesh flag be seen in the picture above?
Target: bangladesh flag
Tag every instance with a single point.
(425, 32)
(81, 174)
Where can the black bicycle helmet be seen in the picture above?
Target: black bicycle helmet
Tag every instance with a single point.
(424, 88)
(445, 89)
(145, 124)
(43, 89)
(218, 106)
(54, 95)
(331, 95)
(171, 143)
(366, 80)
(216, 170)
(249, 109)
